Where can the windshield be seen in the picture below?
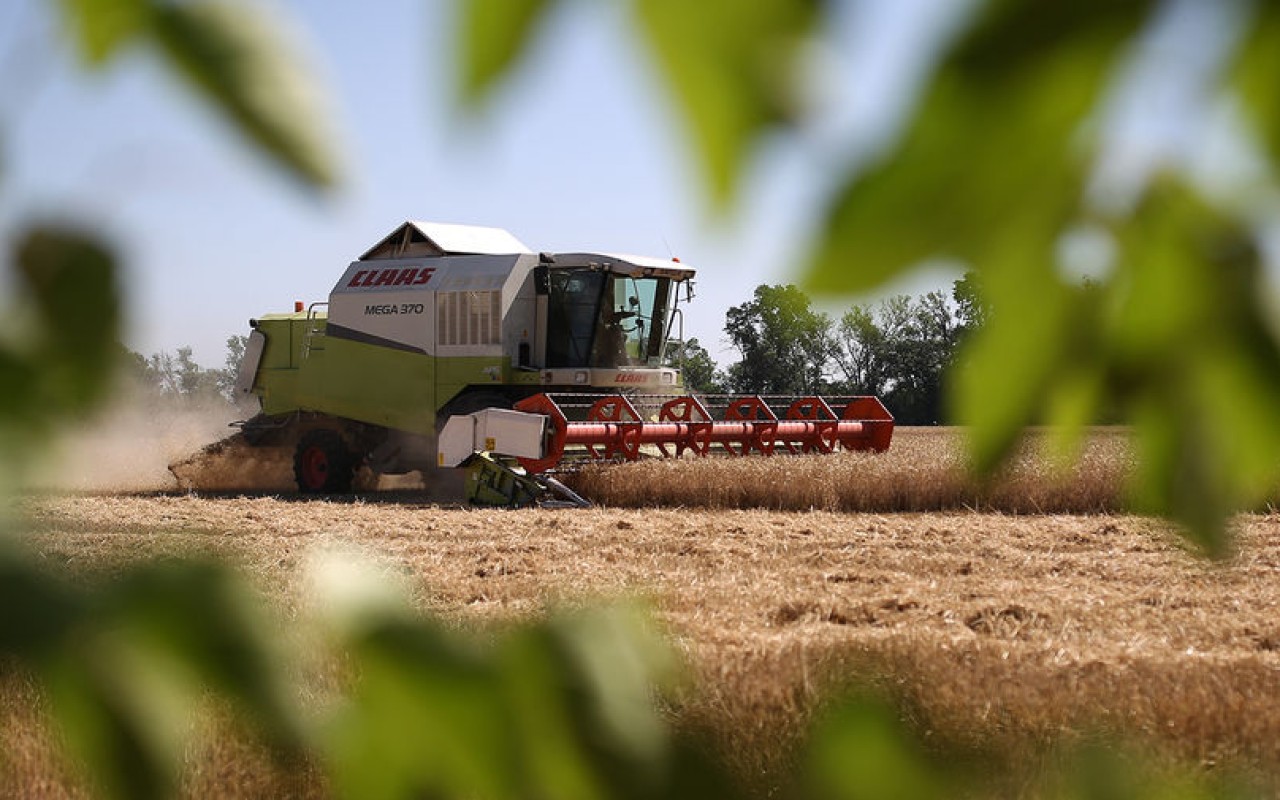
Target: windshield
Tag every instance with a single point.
(600, 319)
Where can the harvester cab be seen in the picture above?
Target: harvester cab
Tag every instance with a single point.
(608, 313)
(439, 321)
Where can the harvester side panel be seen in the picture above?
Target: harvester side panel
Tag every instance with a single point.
(368, 383)
(465, 314)
(277, 378)
(448, 306)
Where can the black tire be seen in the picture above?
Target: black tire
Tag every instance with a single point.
(323, 464)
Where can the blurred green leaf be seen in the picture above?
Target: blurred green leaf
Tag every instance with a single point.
(563, 708)
(1179, 338)
(125, 750)
(102, 27)
(991, 168)
(735, 70)
(58, 341)
(20, 416)
(57, 348)
(861, 750)
(235, 54)
(424, 719)
(1257, 65)
(1010, 35)
(128, 663)
(991, 171)
(1010, 363)
(36, 609)
(1071, 409)
(1194, 350)
(70, 278)
(492, 35)
(536, 685)
(1107, 770)
(201, 621)
(615, 651)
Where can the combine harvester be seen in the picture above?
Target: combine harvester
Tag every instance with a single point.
(450, 346)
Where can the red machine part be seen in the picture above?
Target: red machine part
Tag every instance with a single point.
(614, 429)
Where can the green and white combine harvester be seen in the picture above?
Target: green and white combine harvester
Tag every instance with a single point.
(457, 346)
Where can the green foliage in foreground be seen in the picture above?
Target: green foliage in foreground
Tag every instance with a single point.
(563, 708)
(559, 709)
(57, 338)
(233, 54)
(566, 707)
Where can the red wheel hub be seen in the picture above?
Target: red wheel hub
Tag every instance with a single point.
(315, 467)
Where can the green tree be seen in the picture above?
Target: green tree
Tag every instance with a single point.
(226, 377)
(861, 353)
(701, 374)
(927, 351)
(899, 352)
(178, 377)
(971, 307)
(785, 344)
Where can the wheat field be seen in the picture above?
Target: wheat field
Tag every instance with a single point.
(1006, 632)
(924, 470)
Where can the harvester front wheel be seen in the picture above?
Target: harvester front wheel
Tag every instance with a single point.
(323, 464)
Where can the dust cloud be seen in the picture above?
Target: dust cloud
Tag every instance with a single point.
(142, 443)
(130, 445)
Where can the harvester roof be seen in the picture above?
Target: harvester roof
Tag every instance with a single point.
(415, 239)
(634, 266)
(418, 239)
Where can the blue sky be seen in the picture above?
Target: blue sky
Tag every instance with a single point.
(581, 151)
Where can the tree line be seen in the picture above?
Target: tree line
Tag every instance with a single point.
(177, 377)
(899, 349)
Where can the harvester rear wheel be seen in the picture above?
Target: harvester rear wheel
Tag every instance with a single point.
(323, 464)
